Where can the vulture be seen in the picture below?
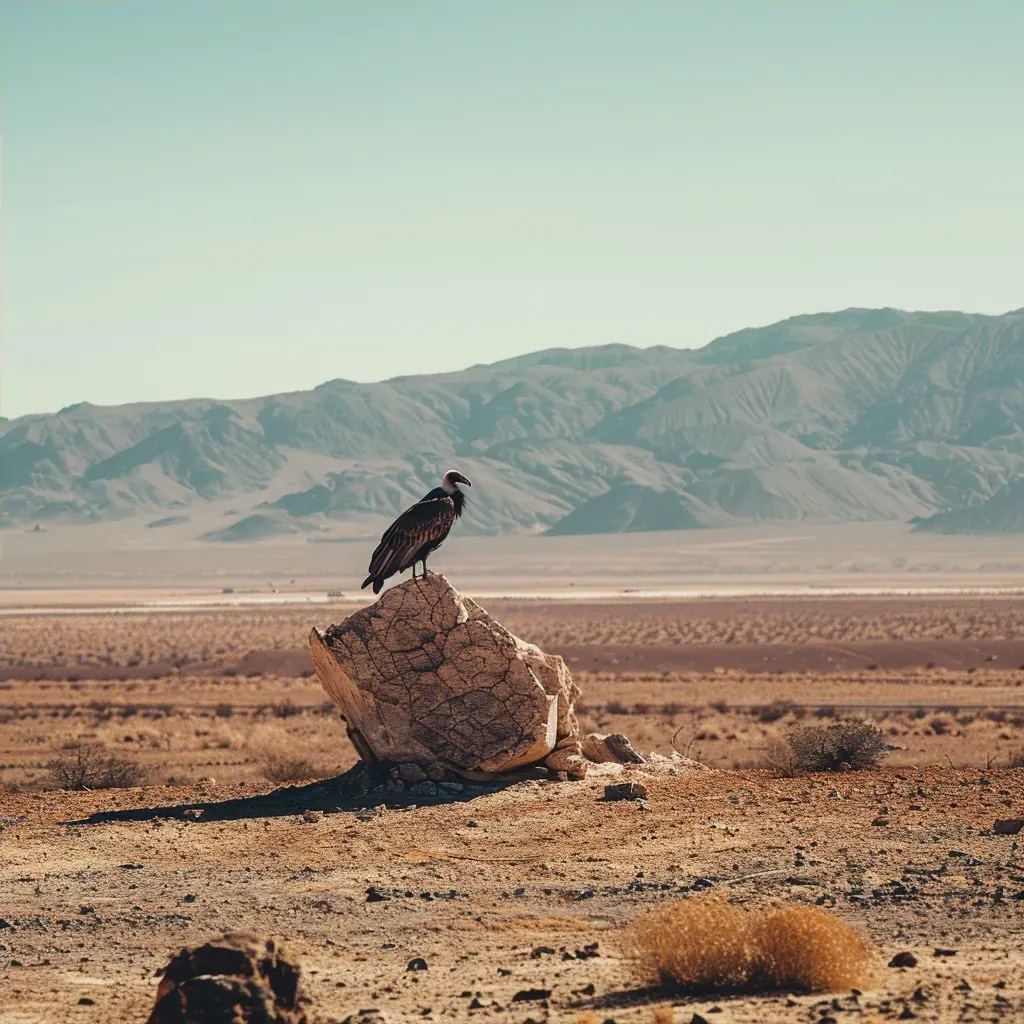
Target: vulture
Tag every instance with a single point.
(418, 531)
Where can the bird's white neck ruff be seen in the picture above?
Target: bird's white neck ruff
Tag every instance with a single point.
(447, 486)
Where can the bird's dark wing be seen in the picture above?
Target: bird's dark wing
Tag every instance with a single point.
(422, 522)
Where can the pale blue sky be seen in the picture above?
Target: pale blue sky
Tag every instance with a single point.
(233, 198)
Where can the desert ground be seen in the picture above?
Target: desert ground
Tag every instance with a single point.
(520, 901)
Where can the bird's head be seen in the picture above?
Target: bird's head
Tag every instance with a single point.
(451, 481)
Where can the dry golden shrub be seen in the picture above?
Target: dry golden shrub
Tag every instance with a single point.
(807, 949)
(663, 1015)
(700, 944)
(708, 945)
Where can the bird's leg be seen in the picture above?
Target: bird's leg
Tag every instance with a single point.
(426, 571)
(414, 570)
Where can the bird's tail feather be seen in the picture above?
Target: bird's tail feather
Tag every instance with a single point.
(367, 582)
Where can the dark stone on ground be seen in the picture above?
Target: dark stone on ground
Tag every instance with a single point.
(1008, 826)
(235, 977)
(625, 791)
(903, 960)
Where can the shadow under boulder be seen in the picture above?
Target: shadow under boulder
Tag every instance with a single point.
(362, 786)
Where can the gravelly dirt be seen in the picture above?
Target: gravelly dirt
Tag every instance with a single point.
(482, 889)
(92, 911)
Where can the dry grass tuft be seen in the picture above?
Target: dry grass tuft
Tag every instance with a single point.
(663, 1015)
(92, 766)
(708, 945)
(277, 753)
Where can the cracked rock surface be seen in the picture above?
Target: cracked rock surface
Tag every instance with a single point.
(426, 675)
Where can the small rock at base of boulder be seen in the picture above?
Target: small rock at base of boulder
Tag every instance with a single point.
(625, 791)
(417, 964)
(410, 772)
(614, 747)
(237, 976)
(904, 959)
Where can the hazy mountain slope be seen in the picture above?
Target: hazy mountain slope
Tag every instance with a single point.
(859, 414)
(632, 508)
(1002, 513)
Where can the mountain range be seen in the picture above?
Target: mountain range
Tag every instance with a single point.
(862, 414)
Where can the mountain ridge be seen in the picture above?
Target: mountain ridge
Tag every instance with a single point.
(852, 415)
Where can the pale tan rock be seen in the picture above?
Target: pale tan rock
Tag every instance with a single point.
(604, 747)
(425, 675)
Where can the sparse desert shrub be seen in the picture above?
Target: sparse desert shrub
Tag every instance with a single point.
(708, 945)
(828, 748)
(1017, 760)
(778, 754)
(92, 766)
(224, 710)
(774, 711)
(616, 707)
(279, 767)
(285, 709)
(939, 726)
(721, 706)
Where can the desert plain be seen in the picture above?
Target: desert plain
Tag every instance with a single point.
(519, 901)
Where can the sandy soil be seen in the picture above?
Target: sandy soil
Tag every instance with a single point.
(906, 854)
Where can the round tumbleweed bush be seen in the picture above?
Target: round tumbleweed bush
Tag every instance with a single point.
(708, 945)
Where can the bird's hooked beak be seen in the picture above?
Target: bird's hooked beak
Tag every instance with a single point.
(452, 479)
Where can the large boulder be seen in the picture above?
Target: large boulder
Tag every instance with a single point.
(230, 979)
(425, 675)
